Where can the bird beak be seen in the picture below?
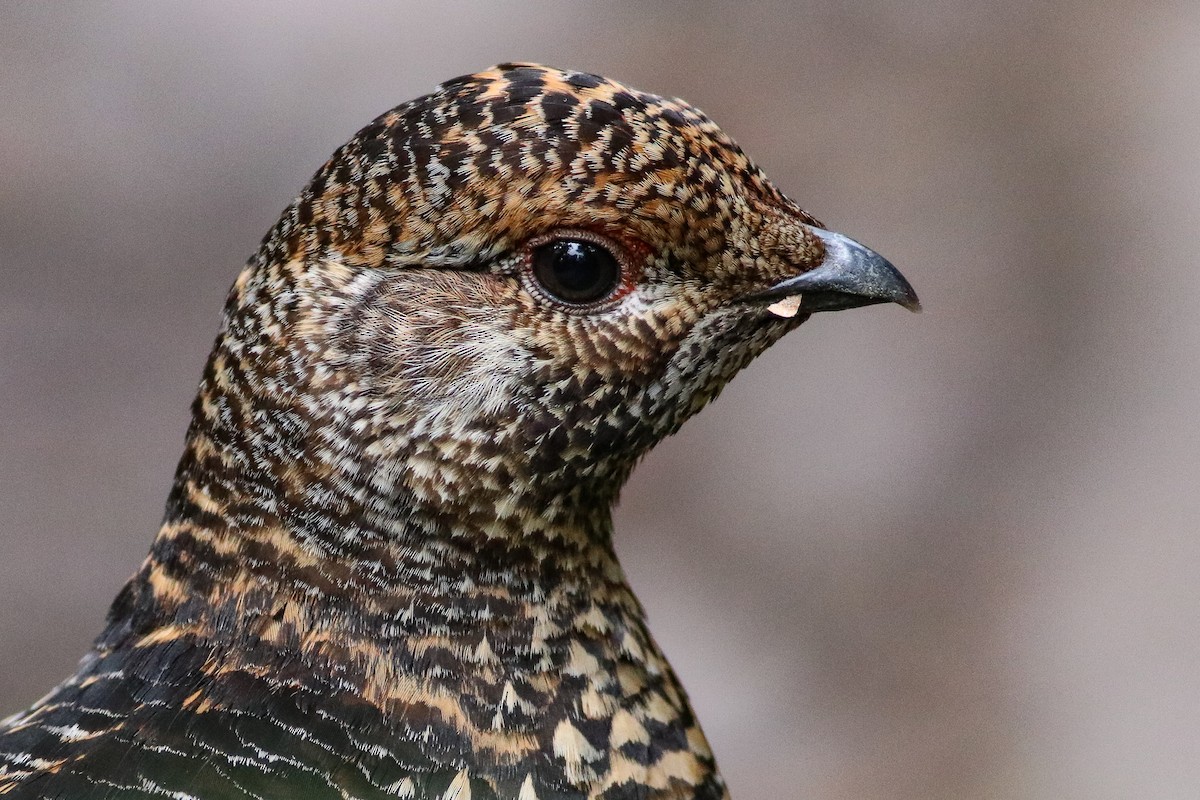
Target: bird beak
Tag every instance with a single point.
(850, 276)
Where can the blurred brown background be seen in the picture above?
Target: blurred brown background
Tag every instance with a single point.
(944, 556)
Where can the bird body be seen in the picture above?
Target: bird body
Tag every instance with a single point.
(386, 564)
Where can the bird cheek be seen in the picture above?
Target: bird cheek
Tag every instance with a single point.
(631, 343)
(476, 376)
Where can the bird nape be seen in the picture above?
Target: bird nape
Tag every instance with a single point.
(385, 567)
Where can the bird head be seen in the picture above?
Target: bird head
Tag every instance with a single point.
(393, 510)
(524, 280)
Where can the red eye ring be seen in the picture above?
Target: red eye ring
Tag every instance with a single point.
(579, 271)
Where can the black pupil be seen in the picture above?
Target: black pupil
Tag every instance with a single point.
(576, 271)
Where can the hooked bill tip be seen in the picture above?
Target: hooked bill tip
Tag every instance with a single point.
(850, 276)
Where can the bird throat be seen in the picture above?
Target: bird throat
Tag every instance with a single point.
(418, 601)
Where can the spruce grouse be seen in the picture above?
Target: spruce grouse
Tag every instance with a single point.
(385, 568)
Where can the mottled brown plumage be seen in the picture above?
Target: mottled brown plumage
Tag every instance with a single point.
(386, 565)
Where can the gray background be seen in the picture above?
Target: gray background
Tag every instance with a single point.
(942, 556)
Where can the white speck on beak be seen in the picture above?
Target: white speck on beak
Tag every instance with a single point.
(787, 307)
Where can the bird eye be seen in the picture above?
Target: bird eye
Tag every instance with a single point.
(575, 270)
